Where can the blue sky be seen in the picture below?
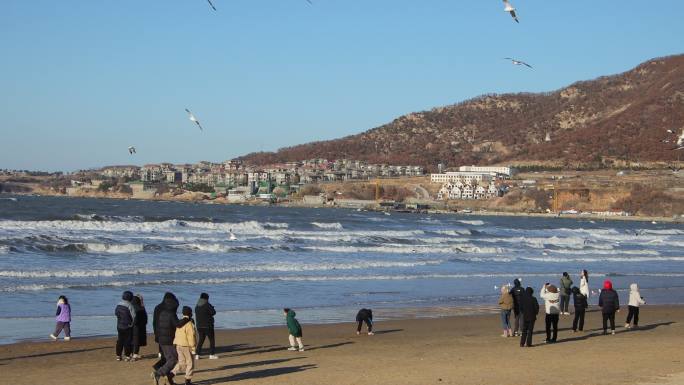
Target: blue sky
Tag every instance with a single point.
(80, 81)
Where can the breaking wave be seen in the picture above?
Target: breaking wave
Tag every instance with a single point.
(334, 225)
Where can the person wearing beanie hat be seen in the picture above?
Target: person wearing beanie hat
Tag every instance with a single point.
(609, 303)
(204, 313)
(185, 341)
(549, 293)
(125, 319)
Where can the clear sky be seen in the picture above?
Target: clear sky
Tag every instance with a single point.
(81, 80)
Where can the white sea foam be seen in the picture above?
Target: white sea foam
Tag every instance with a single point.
(288, 266)
(218, 281)
(4, 249)
(113, 248)
(322, 225)
(476, 222)
(138, 227)
(408, 249)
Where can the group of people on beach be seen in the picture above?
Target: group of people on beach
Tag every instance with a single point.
(524, 307)
(180, 341)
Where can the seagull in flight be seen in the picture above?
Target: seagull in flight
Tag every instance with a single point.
(211, 5)
(510, 9)
(131, 150)
(310, 2)
(193, 119)
(517, 62)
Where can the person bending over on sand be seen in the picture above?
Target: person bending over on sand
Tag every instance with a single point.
(205, 313)
(164, 322)
(185, 342)
(609, 303)
(295, 330)
(125, 319)
(529, 307)
(506, 304)
(139, 326)
(551, 297)
(364, 315)
(63, 319)
(517, 292)
(565, 291)
(584, 284)
(635, 300)
(580, 301)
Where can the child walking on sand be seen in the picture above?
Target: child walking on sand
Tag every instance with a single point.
(185, 341)
(635, 300)
(295, 330)
(63, 318)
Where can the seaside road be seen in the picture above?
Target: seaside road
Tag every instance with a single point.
(454, 350)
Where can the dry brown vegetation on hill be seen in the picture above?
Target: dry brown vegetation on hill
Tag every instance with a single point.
(590, 123)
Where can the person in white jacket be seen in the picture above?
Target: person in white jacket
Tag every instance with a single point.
(635, 300)
(551, 297)
(584, 283)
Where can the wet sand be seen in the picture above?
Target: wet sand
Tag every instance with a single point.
(453, 350)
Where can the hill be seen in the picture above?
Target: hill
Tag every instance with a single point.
(611, 119)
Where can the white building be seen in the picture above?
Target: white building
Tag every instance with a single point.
(464, 176)
(504, 170)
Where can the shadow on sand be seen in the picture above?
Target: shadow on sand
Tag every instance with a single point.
(256, 374)
(388, 331)
(329, 346)
(599, 332)
(53, 353)
(249, 364)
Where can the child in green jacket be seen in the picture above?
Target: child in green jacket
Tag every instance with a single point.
(295, 330)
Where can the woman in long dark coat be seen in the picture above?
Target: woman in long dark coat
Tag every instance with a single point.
(140, 326)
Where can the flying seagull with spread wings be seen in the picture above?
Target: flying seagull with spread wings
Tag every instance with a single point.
(510, 9)
(517, 62)
(131, 150)
(194, 119)
(211, 5)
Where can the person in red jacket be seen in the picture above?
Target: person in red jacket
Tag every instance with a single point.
(609, 303)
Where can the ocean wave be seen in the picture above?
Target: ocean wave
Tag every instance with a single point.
(218, 281)
(4, 249)
(139, 227)
(333, 225)
(476, 222)
(616, 258)
(404, 249)
(269, 267)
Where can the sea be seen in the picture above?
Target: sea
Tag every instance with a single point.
(326, 263)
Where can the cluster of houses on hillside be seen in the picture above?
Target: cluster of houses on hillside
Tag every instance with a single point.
(234, 173)
(472, 182)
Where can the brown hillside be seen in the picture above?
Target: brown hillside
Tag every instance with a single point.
(621, 117)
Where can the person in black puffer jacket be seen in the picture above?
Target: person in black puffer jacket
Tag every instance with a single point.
(580, 309)
(609, 303)
(204, 314)
(164, 323)
(365, 315)
(517, 292)
(529, 309)
(125, 319)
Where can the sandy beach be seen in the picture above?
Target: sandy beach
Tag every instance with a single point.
(451, 350)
